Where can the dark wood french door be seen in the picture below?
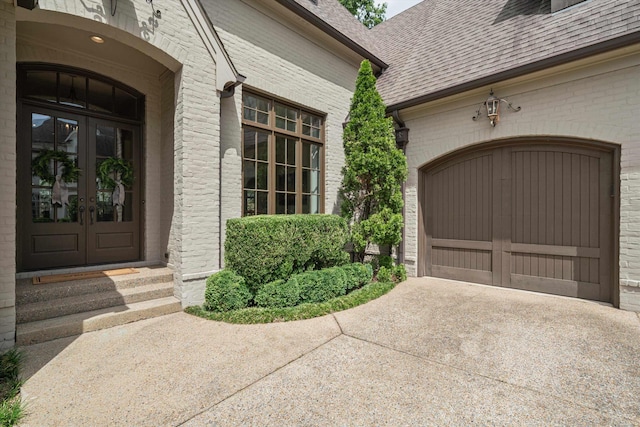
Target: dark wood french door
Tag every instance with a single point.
(75, 204)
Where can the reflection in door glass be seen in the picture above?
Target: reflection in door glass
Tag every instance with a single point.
(54, 169)
(114, 174)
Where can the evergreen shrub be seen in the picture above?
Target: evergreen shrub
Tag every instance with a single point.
(279, 294)
(226, 291)
(384, 274)
(357, 275)
(321, 285)
(266, 248)
(399, 273)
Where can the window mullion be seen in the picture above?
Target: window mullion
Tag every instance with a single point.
(298, 175)
(271, 205)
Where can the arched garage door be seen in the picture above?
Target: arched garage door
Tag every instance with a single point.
(527, 216)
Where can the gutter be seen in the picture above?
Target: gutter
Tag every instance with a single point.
(595, 49)
(230, 88)
(312, 18)
(402, 139)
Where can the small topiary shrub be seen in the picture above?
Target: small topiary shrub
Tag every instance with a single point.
(384, 275)
(399, 273)
(385, 261)
(369, 268)
(226, 291)
(321, 285)
(352, 279)
(266, 248)
(357, 275)
(279, 294)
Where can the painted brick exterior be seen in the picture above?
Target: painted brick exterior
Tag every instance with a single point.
(182, 114)
(192, 135)
(597, 101)
(8, 175)
(281, 60)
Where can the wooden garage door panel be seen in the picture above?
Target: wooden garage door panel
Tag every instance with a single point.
(556, 267)
(462, 258)
(555, 198)
(463, 194)
(461, 218)
(550, 210)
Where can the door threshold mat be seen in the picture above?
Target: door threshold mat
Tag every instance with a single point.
(56, 278)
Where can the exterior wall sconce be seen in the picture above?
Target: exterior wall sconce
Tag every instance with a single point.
(492, 105)
(156, 13)
(402, 136)
(28, 4)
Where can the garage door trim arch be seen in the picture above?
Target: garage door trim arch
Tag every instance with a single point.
(565, 149)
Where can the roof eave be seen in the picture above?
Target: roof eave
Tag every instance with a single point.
(331, 31)
(595, 49)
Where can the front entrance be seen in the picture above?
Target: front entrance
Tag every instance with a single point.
(534, 216)
(79, 183)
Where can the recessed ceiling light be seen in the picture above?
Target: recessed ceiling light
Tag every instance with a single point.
(97, 39)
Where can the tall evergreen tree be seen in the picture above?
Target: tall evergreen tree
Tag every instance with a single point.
(366, 11)
(374, 170)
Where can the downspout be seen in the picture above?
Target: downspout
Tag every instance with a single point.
(402, 139)
(230, 87)
(228, 92)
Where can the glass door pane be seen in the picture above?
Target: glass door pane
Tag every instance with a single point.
(115, 174)
(54, 169)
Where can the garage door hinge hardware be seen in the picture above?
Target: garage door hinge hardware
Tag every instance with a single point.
(612, 192)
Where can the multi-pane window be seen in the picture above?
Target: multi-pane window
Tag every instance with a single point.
(282, 158)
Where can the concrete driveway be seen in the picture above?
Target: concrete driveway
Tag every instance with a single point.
(431, 352)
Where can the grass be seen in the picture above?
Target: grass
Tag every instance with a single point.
(11, 407)
(303, 311)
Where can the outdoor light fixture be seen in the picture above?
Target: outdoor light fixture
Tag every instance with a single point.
(492, 105)
(156, 13)
(97, 39)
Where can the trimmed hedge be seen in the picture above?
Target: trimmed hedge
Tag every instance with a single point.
(358, 275)
(322, 285)
(303, 311)
(279, 294)
(266, 248)
(313, 286)
(226, 291)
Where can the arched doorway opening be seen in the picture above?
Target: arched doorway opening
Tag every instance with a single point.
(80, 175)
(530, 214)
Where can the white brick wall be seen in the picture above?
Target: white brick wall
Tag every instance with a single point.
(8, 175)
(182, 124)
(281, 59)
(598, 101)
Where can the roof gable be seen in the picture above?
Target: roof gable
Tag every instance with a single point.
(439, 44)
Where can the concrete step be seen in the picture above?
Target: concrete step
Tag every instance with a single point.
(42, 310)
(27, 293)
(76, 324)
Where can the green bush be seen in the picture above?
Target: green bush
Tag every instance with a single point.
(226, 291)
(399, 273)
(357, 275)
(384, 274)
(369, 268)
(266, 248)
(321, 285)
(279, 294)
(385, 261)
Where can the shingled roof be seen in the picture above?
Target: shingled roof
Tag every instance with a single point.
(440, 45)
(335, 19)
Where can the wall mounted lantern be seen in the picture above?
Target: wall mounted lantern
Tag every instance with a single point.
(28, 4)
(492, 106)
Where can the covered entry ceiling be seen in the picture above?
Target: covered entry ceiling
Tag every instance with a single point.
(78, 42)
(527, 216)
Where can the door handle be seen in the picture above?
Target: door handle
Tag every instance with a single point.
(81, 211)
(92, 209)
